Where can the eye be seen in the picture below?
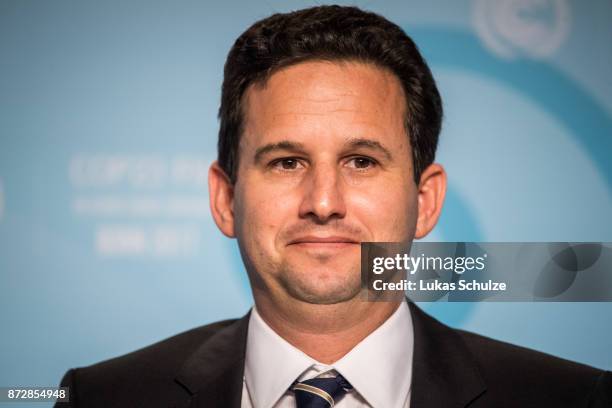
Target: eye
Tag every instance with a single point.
(361, 162)
(288, 163)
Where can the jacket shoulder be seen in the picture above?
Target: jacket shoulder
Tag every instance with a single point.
(146, 374)
(168, 352)
(515, 373)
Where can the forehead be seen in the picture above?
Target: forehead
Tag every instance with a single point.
(322, 101)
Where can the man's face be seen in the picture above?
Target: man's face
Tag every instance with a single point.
(325, 163)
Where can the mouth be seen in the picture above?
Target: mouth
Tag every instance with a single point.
(330, 242)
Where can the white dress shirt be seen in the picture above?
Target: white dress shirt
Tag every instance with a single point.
(379, 368)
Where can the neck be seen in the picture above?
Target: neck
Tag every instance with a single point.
(324, 332)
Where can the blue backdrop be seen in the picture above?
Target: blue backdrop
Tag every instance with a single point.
(108, 125)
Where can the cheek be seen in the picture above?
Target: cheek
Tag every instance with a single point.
(260, 213)
(389, 213)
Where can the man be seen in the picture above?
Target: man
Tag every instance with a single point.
(329, 125)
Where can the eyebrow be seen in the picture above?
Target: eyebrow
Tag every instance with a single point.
(284, 145)
(370, 144)
(299, 147)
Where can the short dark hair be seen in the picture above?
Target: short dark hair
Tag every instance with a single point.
(329, 33)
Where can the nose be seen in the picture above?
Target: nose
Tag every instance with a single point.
(323, 198)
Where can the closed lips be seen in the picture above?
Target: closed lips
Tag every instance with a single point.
(322, 240)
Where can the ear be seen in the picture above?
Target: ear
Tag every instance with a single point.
(221, 194)
(432, 189)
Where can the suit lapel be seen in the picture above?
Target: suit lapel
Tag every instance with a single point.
(445, 373)
(213, 375)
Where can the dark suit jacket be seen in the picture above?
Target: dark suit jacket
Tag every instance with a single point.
(204, 367)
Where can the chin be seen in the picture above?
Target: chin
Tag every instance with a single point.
(323, 286)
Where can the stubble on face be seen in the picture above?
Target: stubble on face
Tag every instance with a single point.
(325, 283)
(307, 106)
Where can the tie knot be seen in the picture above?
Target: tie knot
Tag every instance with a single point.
(320, 392)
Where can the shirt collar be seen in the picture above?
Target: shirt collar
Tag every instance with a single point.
(272, 364)
(379, 367)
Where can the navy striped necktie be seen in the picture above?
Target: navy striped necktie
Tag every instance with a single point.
(320, 392)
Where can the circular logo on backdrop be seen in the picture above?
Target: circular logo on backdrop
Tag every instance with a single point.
(519, 28)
